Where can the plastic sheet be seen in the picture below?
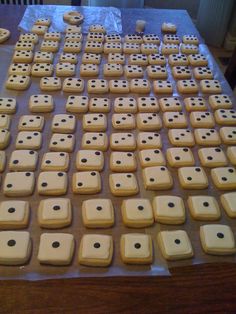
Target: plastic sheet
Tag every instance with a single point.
(108, 16)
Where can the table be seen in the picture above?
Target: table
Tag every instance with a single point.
(192, 289)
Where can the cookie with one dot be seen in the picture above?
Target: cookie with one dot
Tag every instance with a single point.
(4, 138)
(220, 102)
(224, 178)
(122, 142)
(96, 141)
(62, 142)
(31, 123)
(119, 86)
(14, 214)
(178, 60)
(199, 119)
(89, 160)
(149, 140)
(87, 182)
(125, 105)
(123, 162)
(2, 160)
(95, 122)
(225, 116)
(137, 213)
(15, 247)
(157, 178)
(179, 157)
(89, 69)
(210, 87)
(207, 137)
(192, 178)
(98, 213)
(91, 58)
(77, 104)
(203, 207)
(73, 85)
(175, 245)
(29, 140)
(228, 135)
(169, 209)
(175, 120)
(5, 121)
(132, 71)
(181, 137)
(170, 104)
(123, 121)
(162, 87)
(99, 105)
(39, 29)
(43, 57)
(56, 248)
(73, 29)
(151, 157)
(23, 160)
(41, 103)
(54, 213)
(117, 58)
(96, 250)
(157, 71)
(228, 201)
(196, 60)
(187, 86)
(7, 105)
(50, 84)
(19, 184)
(63, 123)
(217, 239)
(195, 104)
(136, 248)
(156, 59)
(52, 183)
(55, 161)
(231, 154)
(212, 157)
(123, 184)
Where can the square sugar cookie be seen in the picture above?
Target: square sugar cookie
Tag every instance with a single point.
(195, 104)
(178, 60)
(56, 248)
(50, 84)
(157, 178)
(125, 105)
(96, 250)
(5, 121)
(175, 245)
(91, 58)
(95, 141)
(225, 117)
(7, 105)
(99, 105)
(151, 38)
(149, 140)
(2, 160)
(181, 137)
(73, 85)
(122, 142)
(228, 135)
(31, 123)
(23, 56)
(131, 48)
(98, 213)
(169, 209)
(192, 178)
(68, 57)
(199, 119)
(23, 160)
(63, 123)
(116, 58)
(77, 104)
(136, 248)
(112, 47)
(65, 69)
(170, 104)
(212, 157)
(14, 214)
(210, 87)
(156, 59)
(89, 160)
(42, 69)
(4, 138)
(123, 121)
(147, 104)
(119, 86)
(196, 60)
(43, 57)
(224, 178)
(151, 157)
(132, 71)
(95, 122)
(18, 82)
(175, 120)
(137, 213)
(181, 72)
(228, 201)
(19, 69)
(41, 103)
(52, 183)
(157, 72)
(162, 87)
(19, 184)
(180, 157)
(217, 239)
(97, 86)
(148, 121)
(123, 184)
(24, 45)
(62, 143)
(55, 161)
(202, 73)
(220, 102)
(54, 213)
(15, 248)
(231, 154)
(87, 182)
(138, 59)
(187, 86)
(123, 162)
(207, 137)
(29, 140)
(203, 207)
(89, 69)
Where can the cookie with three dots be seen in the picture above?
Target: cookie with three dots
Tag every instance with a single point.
(125, 105)
(14, 214)
(151, 158)
(162, 87)
(231, 154)
(187, 86)
(199, 119)
(31, 123)
(192, 178)
(7, 105)
(212, 157)
(95, 122)
(77, 104)
(52, 183)
(99, 105)
(224, 178)
(43, 57)
(123, 162)
(149, 140)
(203, 207)
(54, 213)
(123, 121)
(157, 178)
(89, 160)
(228, 201)
(170, 104)
(98, 213)
(137, 213)
(4, 138)
(123, 184)
(41, 103)
(156, 59)
(197, 60)
(97, 86)
(169, 209)
(147, 104)
(195, 104)
(220, 102)
(63, 123)
(73, 85)
(89, 69)
(55, 161)
(179, 157)
(148, 121)
(207, 137)
(119, 86)
(181, 137)
(228, 135)
(18, 184)
(28, 140)
(96, 141)
(91, 58)
(23, 160)
(175, 119)
(210, 87)
(62, 142)
(181, 72)
(157, 72)
(178, 60)
(131, 71)
(122, 141)
(116, 58)
(50, 84)
(86, 182)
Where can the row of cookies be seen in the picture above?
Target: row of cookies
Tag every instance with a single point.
(97, 249)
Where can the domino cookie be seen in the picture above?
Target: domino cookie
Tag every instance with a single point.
(133, 38)
(94, 36)
(123, 162)
(228, 135)
(63, 123)
(74, 37)
(116, 58)
(4, 35)
(73, 85)
(197, 60)
(62, 143)
(56, 248)
(151, 158)
(168, 49)
(18, 82)
(52, 36)
(181, 72)
(171, 39)
(22, 56)
(52, 183)
(93, 47)
(43, 57)
(97, 28)
(151, 38)
(73, 29)
(68, 57)
(192, 178)
(5, 121)
(49, 46)
(147, 104)
(162, 87)
(7, 105)
(96, 141)
(149, 48)
(55, 161)
(91, 58)
(190, 39)
(195, 104)
(199, 119)
(168, 27)
(217, 239)
(39, 29)
(181, 137)
(97, 86)
(41, 103)
(225, 116)
(175, 245)
(15, 247)
(180, 157)
(133, 71)
(189, 49)
(157, 178)
(114, 38)
(169, 209)
(23, 160)
(123, 184)
(24, 45)
(14, 214)
(228, 203)
(130, 48)
(125, 105)
(86, 182)
(65, 69)
(99, 105)
(231, 154)
(148, 140)
(112, 69)
(207, 137)
(137, 213)
(187, 86)
(220, 102)
(170, 104)
(50, 84)
(140, 86)
(96, 250)
(112, 47)
(4, 138)
(43, 21)
(29, 140)
(175, 120)
(2, 160)
(203, 207)
(123, 121)
(19, 69)
(136, 248)
(156, 59)
(157, 72)
(98, 213)
(210, 86)
(31, 123)
(201, 73)
(42, 69)
(95, 122)
(54, 213)
(73, 17)
(89, 70)
(224, 178)
(19, 184)
(29, 37)
(178, 60)
(119, 86)
(122, 142)
(138, 59)
(89, 160)
(72, 47)
(148, 121)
